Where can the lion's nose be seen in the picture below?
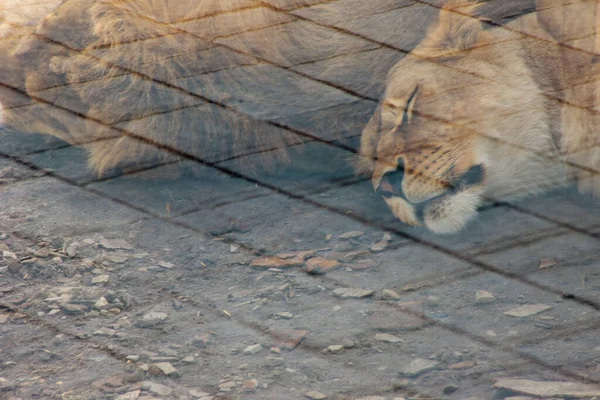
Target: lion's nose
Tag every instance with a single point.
(391, 182)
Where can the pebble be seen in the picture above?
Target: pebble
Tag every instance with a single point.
(189, 360)
(3, 318)
(166, 264)
(462, 365)
(484, 297)
(380, 246)
(14, 267)
(198, 393)
(274, 262)
(44, 252)
(388, 294)
(114, 244)
(101, 303)
(527, 310)
(385, 337)
(115, 258)
(201, 341)
(100, 279)
(156, 388)
(9, 254)
(71, 250)
(133, 358)
(372, 398)
(151, 319)
(419, 366)
(254, 349)
(336, 348)
(449, 389)
(88, 241)
(234, 248)
(283, 315)
(57, 260)
(352, 293)
(249, 385)
(105, 332)
(290, 339)
(74, 309)
(320, 265)
(351, 235)
(129, 395)
(167, 369)
(313, 395)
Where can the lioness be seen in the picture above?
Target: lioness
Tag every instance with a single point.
(480, 111)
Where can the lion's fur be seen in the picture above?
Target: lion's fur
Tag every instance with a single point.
(523, 106)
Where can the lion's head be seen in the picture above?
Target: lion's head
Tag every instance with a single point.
(462, 119)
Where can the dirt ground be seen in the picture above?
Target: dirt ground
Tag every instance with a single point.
(295, 283)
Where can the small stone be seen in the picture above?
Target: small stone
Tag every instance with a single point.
(151, 319)
(156, 388)
(3, 318)
(234, 248)
(14, 267)
(201, 341)
(418, 366)
(71, 250)
(115, 258)
(380, 246)
(198, 393)
(283, 315)
(254, 349)
(44, 252)
(388, 294)
(336, 348)
(387, 237)
(527, 310)
(546, 264)
(290, 338)
(484, 297)
(548, 388)
(167, 369)
(320, 265)
(133, 358)
(101, 303)
(491, 333)
(449, 389)
(57, 260)
(100, 279)
(166, 264)
(432, 301)
(372, 398)
(129, 395)
(352, 293)
(274, 262)
(114, 244)
(351, 235)
(88, 241)
(9, 255)
(188, 360)
(74, 309)
(385, 337)
(313, 395)
(105, 332)
(462, 365)
(276, 350)
(249, 385)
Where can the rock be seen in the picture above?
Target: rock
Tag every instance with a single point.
(387, 237)
(115, 258)
(101, 303)
(546, 264)
(167, 369)
(351, 235)
(249, 385)
(105, 332)
(462, 365)
(166, 264)
(484, 297)
(449, 389)
(384, 337)
(432, 301)
(345, 256)
(418, 366)
(100, 279)
(352, 293)
(114, 244)
(129, 395)
(290, 338)
(254, 349)
(274, 361)
(548, 388)
(372, 398)
(313, 395)
(14, 267)
(527, 310)
(74, 309)
(409, 317)
(234, 248)
(44, 252)
(151, 319)
(274, 262)
(57, 260)
(133, 358)
(88, 241)
(198, 393)
(380, 246)
(336, 348)
(9, 255)
(3, 318)
(283, 315)
(156, 388)
(388, 294)
(71, 250)
(320, 265)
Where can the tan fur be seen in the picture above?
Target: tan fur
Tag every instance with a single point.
(522, 106)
